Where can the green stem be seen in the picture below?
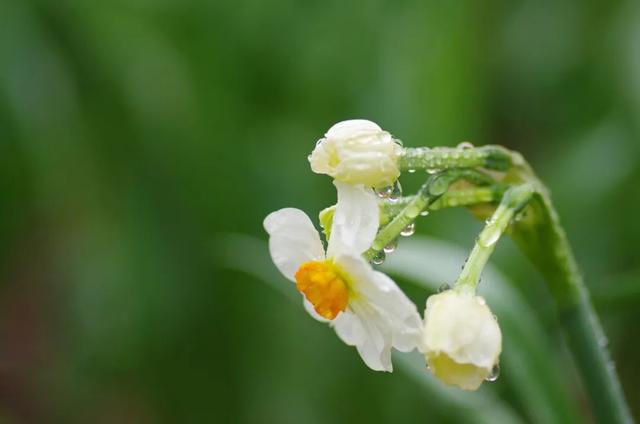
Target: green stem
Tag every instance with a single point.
(490, 157)
(513, 201)
(543, 240)
(435, 186)
(451, 199)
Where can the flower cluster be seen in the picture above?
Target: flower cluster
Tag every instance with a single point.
(459, 336)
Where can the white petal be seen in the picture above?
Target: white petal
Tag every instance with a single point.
(396, 311)
(356, 220)
(361, 328)
(293, 240)
(351, 128)
(349, 328)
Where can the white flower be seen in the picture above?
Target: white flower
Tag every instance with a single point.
(365, 307)
(357, 152)
(461, 339)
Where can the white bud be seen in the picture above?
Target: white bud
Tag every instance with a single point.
(357, 152)
(461, 339)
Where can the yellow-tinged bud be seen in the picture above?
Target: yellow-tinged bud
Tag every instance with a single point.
(357, 152)
(461, 339)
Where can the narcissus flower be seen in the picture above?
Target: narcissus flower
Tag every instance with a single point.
(365, 307)
(461, 339)
(357, 152)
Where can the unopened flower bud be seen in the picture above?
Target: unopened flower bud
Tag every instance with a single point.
(357, 152)
(461, 339)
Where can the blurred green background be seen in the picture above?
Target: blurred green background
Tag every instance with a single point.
(136, 135)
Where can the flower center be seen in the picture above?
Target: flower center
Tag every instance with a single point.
(324, 286)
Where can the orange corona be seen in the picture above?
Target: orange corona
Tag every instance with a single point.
(324, 286)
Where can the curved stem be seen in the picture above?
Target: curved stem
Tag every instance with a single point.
(513, 201)
(543, 240)
(451, 199)
(435, 186)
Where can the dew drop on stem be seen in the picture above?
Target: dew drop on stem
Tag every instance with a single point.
(391, 246)
(409, 230)
(379, 257)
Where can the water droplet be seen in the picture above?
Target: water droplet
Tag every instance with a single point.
(438, 187)
(411, 171)
(384, 192)
(494, 374)
(444, 287)
(424, 213)
(409, 230)
(391, 246)
(379, 258)
(489, 236)
(519, 217)
(432, 171)
(465, 145)
(319, 142)
(396, 192)
(398, 142)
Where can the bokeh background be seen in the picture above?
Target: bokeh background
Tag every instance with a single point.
(136, 136)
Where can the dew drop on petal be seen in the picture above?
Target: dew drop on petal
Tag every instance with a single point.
(409, 230)
(494, 374)
(424, 213)
(384, 192)
(379, 258)
(432, 171)
(395, 193)
(411, 171)
(465, 145)
(319, 142)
